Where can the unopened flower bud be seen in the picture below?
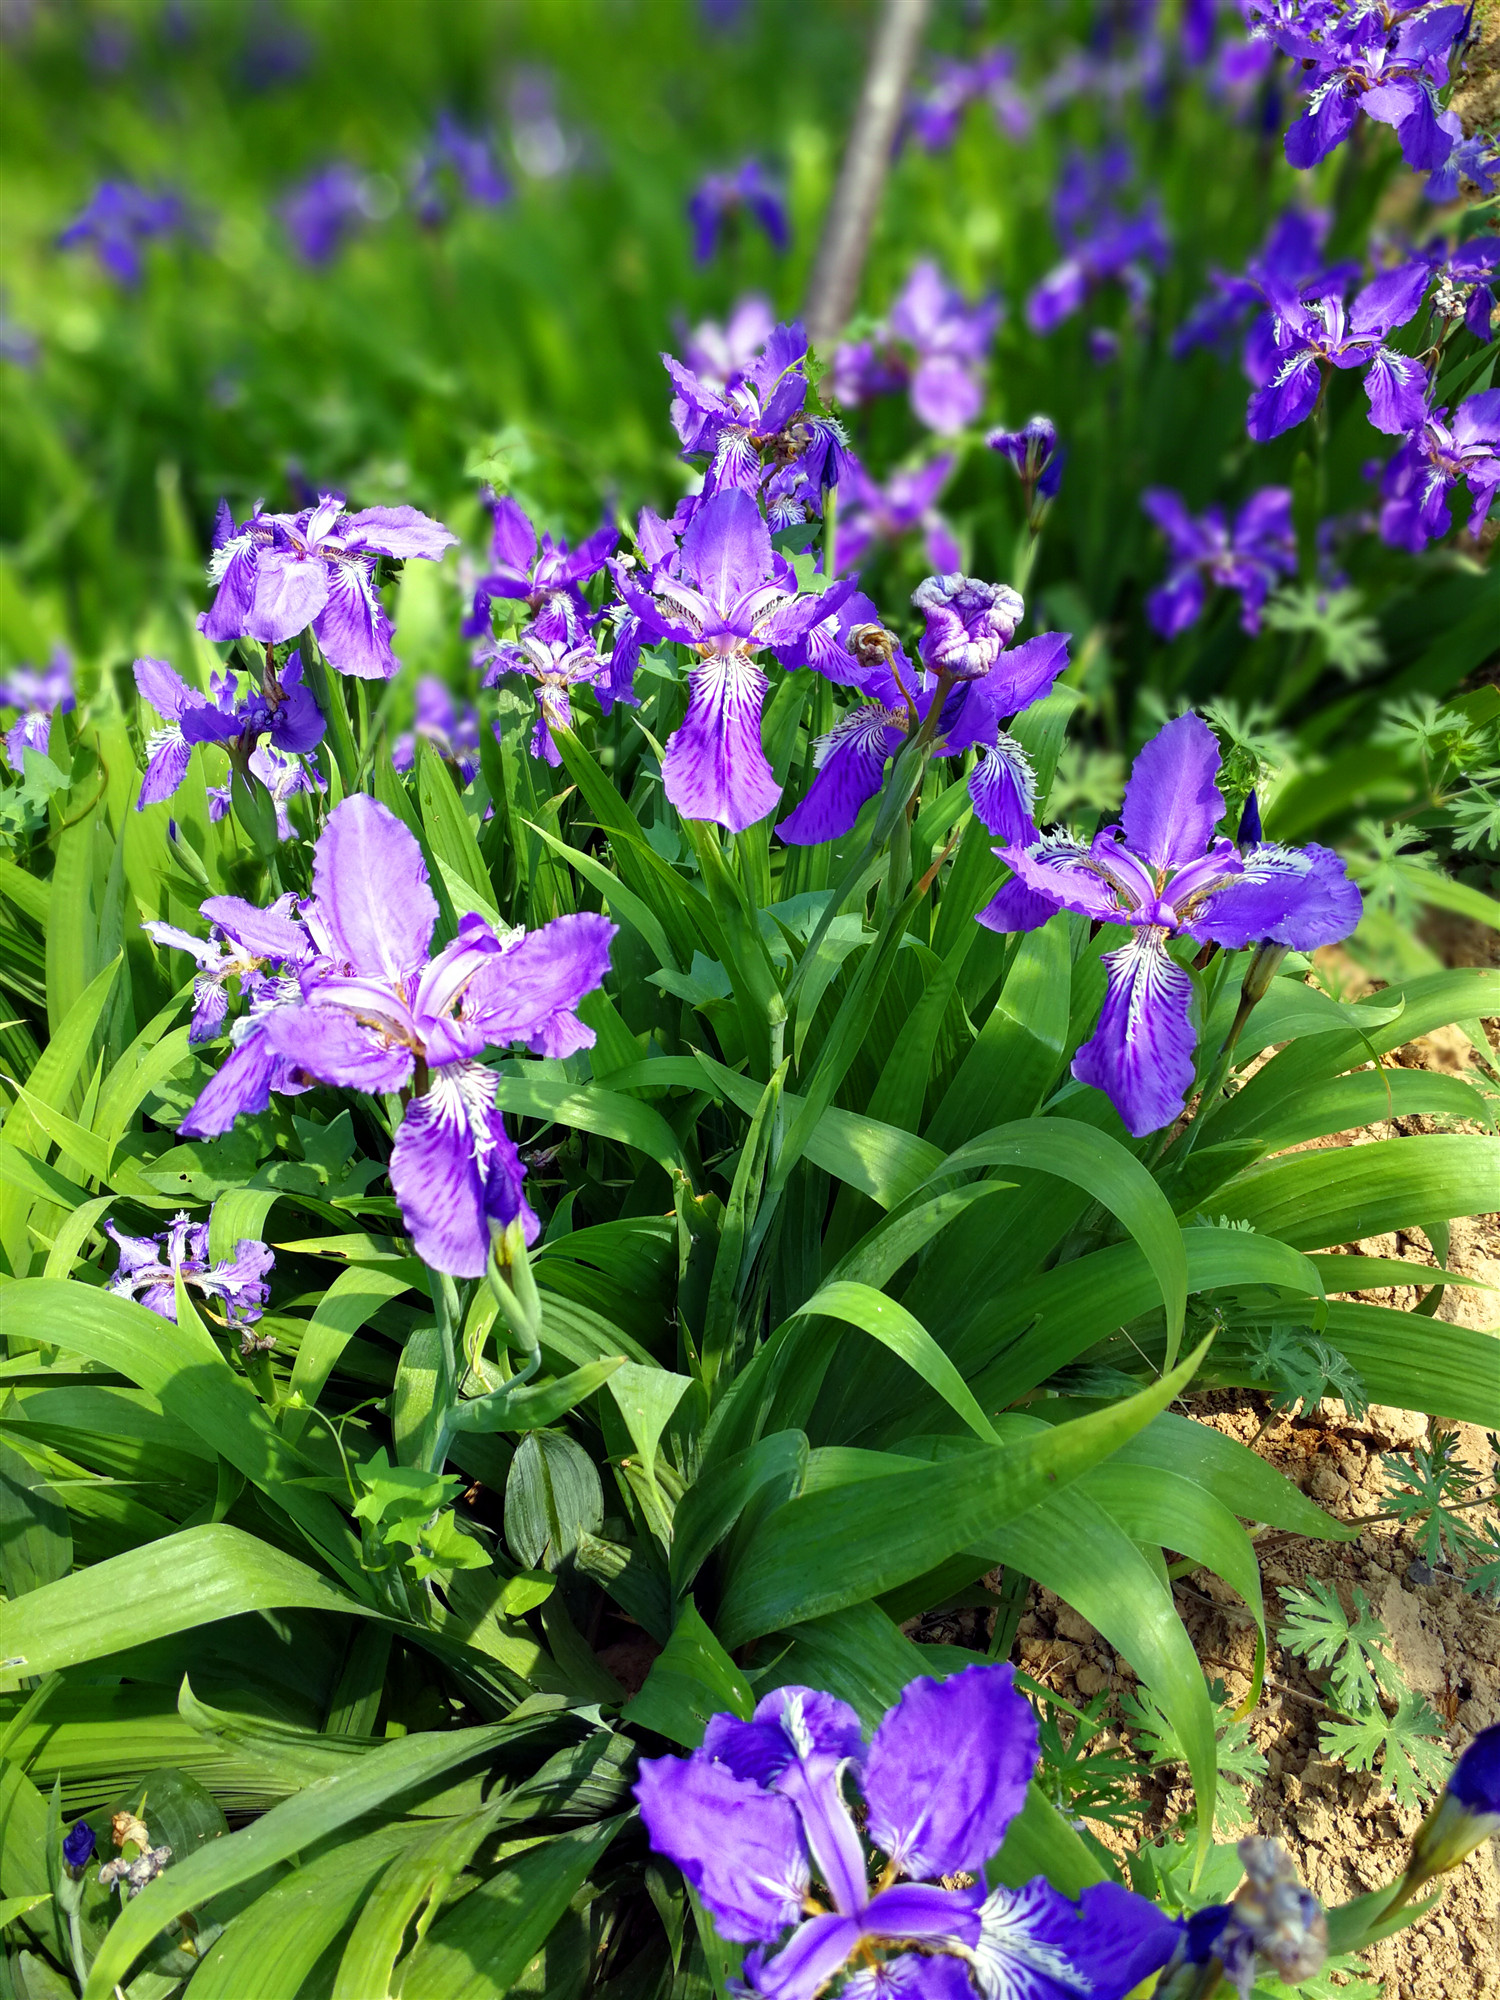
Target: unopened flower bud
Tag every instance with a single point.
(1466, 1815)
(78, 1847)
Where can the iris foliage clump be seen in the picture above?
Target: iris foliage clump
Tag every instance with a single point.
(665, 987)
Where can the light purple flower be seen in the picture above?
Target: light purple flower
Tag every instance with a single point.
(374, 1012)
(283, 777)
(873, 513)
(321, 212)
(1431, 461)
(464, 159)
(280, 573)
(150, 1265)
(540, 575)
(934, 343)
(725, 594)
(437, 719)
(264, 950)
(718, 355)
(936, 108)
(36, 697)
(283, 709)
(1311, 337)
(1476, 160)
(967, 623)
(555, 663)
(719, 202)
(1166, 874)
(117, 221)
(1206, 551)
(759, 1812)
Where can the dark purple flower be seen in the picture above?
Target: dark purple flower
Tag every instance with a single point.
(1387, 63)
(323, 211)
(1206, 551)
(1465, 284)
(1102, 243)
(282, 709)
(1465, 1816)
(719, 201)
(555, 662)
(725, 594)
(460, 160)
(873, 513)
(36, 697)
(1033, 451)
(759, 1811)
(78, 1846)
(542, 576)
(150, 1265)
(1429, 464)
(279, 573)
(1289, 262)
(1311, 337)
(1165, 874)
(118, 219)
(437, 719)
(374, 1012)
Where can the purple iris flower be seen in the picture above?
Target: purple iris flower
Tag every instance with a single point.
(539, 575)
(1431, 461)
(284, 709)
(437, 719)
(718, 355)
(374, 1012)
(933, 343)
(1311, 337)
(759, 1811)
(464, 159)
(323, 211)
(555, 661)
(1475, 1779)
(874, 513)
(719, 201)
(279, 573)
(1476, 160)
(117, 220)
(933, 115)
(1386, 62)
(1165, 874)
(1290, 260)
(36, 697)
(854, 649)
(1205, 549)
(755, 431)
(149, 1266)
(1033, 451)
(283, 777)
(724, 593)
(264, 950)
(1102, 243)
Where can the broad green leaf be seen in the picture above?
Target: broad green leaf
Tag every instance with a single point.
(824, 1550)
(167, 1586)
(723, 1489)
(36, 1540)
(1021, 1047)
(1317, 1200)
(590, 1109)
(691, 1679)
(552, 1496)
(893, 1326)
(445, 822)
(480, 1948)
(409, 1893)
(646, 1398)
(353, 1298)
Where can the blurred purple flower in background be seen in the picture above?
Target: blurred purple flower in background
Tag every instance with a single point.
(874, 513)
(1102, 243)
(437, 720)
(36, 697)
(933, 342)
(323, 211)
(759, 1811)
(721, 202)
(937, 107)
(117, 220)
(456, 162)
(543, 145)
(1207, 551)
(718, 355)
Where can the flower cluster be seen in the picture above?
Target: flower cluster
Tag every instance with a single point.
(758, 1815)
(117, 221)
(345, 992)
(36, 696)
(1166, 873)
(936, 108)
(279, 574)
(1247, 556)
(720, 202)
(1102, 242)
(150, 1266)
(932, 343)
